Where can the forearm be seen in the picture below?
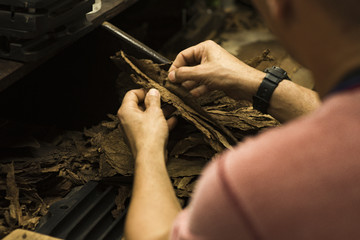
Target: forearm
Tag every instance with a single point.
(288, 101)
(154, 205)
(291, 100)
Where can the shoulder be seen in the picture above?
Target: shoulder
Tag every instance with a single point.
(336, 122)
(302, 175)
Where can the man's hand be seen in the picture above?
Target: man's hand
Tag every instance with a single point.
(153, 205)
(143, 121)
(207, 66)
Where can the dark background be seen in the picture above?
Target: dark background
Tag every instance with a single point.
(76, 88)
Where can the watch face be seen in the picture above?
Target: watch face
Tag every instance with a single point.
(277, 72)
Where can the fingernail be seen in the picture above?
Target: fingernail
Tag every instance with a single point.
(171, 76)
(153, 92)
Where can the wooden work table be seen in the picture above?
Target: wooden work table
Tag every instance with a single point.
(21, 234)
(11, 71)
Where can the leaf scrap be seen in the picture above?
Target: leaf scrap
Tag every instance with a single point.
(14, 214)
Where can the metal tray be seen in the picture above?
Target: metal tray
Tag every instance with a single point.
(28, 3)
(84, 214)
(34, 49)
(28, 24)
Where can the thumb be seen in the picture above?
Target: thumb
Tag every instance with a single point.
(152, 98)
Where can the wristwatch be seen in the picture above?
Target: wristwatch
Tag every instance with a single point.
(274, 76)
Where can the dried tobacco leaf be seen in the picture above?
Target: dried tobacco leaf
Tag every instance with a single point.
(14, 214)
(150, 75)
(105, 169)
(118, 154)
(181, 183)
(192, 146)
(265, 56)
(243, 118)
(184, 186)
(124, 192)
(178, 167)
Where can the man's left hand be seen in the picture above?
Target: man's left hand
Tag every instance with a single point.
(143, 121)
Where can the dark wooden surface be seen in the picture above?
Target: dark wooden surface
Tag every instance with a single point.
(11, 71)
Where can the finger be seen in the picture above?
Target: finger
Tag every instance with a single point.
(171, 122)
(182, 74)
(187, 57)
(201, 90)
(189, 84)
(133, 98)
(152, 98)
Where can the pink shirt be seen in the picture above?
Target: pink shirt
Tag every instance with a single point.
(297, 181)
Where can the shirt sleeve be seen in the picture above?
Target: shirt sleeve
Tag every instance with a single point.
(212, 212)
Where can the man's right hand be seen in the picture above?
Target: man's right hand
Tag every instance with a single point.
(207, 66)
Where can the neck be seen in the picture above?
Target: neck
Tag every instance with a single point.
(330, 68)
(331, 49)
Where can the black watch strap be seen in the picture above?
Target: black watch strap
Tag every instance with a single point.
(274, 76)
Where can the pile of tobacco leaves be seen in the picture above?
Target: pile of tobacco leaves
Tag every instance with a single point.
(37, 169)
